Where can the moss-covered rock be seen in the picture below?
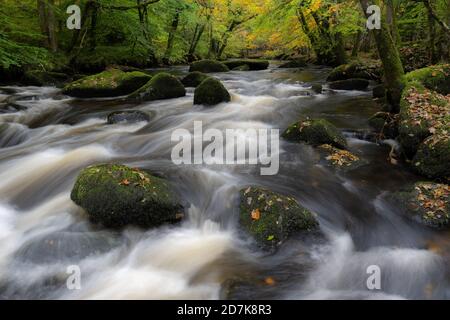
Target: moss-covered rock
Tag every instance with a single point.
(369, 70)
(208, 66)
(315, 132)
(116, 196)
(385, 124)
(109, 83)
(432, 160)
(127, 116)
(244, 67)
(44, 78)
(436, 78)
(193, 79)
(161, 86)
(250, 63)
(349, 84)
(270, 218)
(297, 63)
(427, 203)
(211, 92)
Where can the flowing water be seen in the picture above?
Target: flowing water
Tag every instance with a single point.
(47, 138)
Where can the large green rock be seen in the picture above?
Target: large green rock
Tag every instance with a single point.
(270, 218)
(161, 86)
(193, 79)
(315, 132)
(109, 83)
(432, 159)
(252, 64)
(436, 78)
(349, 84)
(427, 203)
(116, 196)
(211, 92)
(297, 63)
(369, 70)
(44, 78)
(208, 66)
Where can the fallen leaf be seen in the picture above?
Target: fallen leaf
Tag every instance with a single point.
(269, 281)
(124, 182)
(256, 214)
(270, 238)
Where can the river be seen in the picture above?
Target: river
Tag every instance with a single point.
(47, 138)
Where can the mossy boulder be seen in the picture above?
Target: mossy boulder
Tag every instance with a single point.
(349, 84)
(297, 63)
(193, 79)
(208, 66)
(44, 78)
(211, 92)
(436, 78)
(385, 124)
(116, 196)
(161, 86)
(251, 64)
(427, 203)
(109, 83)
(369, 70)
(244, 67)
(432, 159)
(270, 218)
(128, 116)
(315, 132)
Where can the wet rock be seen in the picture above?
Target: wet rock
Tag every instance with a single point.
(369, 70)
(379, 91)
(271, 218)
(436, 78)
(247, 64)
(110, 83)
(349, 84)
(44, 78)
(340, 159)
(315, 132)
(128, 116)
(427, 203)
(317, 88)
(432, 160)
(193, 79)
(298, 63)
(161, 86)
(211, 92)
(116, 196)
(385, 124)
(208, 66)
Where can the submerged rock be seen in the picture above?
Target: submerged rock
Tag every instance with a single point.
(128, 116)
(369, 70)
(247, 64)
(208, 66)
(193, 79)
(427, 203)
(315, 132)
(109, 83)
(340, 159)
(271, 218)
(211, 92)
(317, 88)
(116, 196)
(349, 84)
(161, 86)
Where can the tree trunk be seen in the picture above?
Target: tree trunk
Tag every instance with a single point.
(170, 40)
(391, 18)
(53, 41)
(43, 22)
(392, 65)
(357, 44)
(432, 39)
(199, 29)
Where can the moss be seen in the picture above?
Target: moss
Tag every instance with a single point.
(208, 66)
(161, 86)
(193, 79)
(44, 78)
(116, 195)
(243, 67)
(432, 160)
(369, 70)
(315, 132)
(436, 78)
(427, 203)
(211, 92)
(298, 63)
(270, 218)
(109, 83)
(349, 84)
(252, 64)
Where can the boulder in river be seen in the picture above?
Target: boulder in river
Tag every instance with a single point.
(208, 66)
(109, 83)
(427, 203)
(193, 79)
(432, 159)
(44, 78)
(385, 124)
(317, 88)
(369, 70)
(270, 218)
(315, 132)
(128, 116)
(211, 92)
(161, 86)
(297, 63)
(251, 64)
(340, 159)
(116, 196)
(350, 84)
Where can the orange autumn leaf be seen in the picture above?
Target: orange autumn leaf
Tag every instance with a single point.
(256, 214)
(269, 281)
(125, 182)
